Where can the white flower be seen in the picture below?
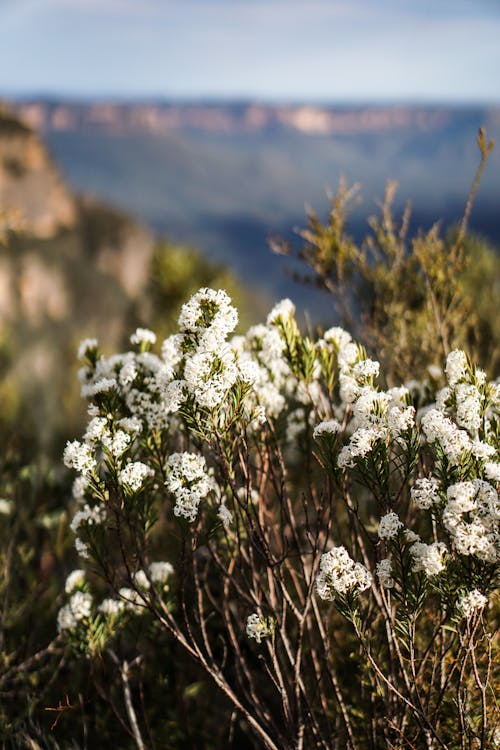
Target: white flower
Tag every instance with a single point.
(189, 482)
(74, 580)
(130, 424)
(384, 573)
(360, 444)
(482, 450)
(98, 386)
(160, 572)
(225, 516)
(6, 507)
(428, 558)
(338, 573)
(132, 600)
(410, 536)
(283, 310)
(471, 517)
(82, 548)
(209, 309)
(454, 442)
(456, 366)
(143, 336)
(328, 427)
(110, 607)
(141, 580)
(259, 627)
(366, 369)
(95, 429)
(471, 603)
(210, 374)
(85, 346)
(134, 474)
(338, 337)
(88, 516)
(79, 456)
(400, 420)
(81, 605)
(424, 493)
(468, 409)
(116, 443)
(65, 619)
(492, 471)
(389, 526)
(171, 349)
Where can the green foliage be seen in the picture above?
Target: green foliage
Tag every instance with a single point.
(409, 299)
(177, 272)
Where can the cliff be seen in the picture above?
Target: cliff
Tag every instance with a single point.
(69, 268)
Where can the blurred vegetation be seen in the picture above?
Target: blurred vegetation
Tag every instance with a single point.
(409, 299)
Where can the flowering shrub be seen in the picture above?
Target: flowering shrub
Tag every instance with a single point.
(327, 551)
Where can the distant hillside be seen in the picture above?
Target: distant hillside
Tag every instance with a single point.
(226, 176)
(240, 118)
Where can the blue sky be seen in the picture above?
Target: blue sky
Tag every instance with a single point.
(350, 50)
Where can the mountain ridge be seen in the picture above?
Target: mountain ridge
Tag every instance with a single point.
(239, 117)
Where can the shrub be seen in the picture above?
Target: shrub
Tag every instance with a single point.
(327, 552)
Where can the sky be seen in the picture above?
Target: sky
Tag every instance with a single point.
(317, 50)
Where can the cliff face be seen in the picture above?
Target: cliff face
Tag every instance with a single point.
(69, 268)
(30, 185)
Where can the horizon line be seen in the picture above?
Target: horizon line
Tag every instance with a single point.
(49, 97)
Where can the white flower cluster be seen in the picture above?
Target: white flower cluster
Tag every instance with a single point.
(79, 456)
(328, 427)
(143, 336)
(456, 367)
(425, 493)
(472, 518)
(133, 601)
(428, 558)
(459, 416)
(208, 314)
(389, 526)
(360, 444)
(78, 608)
(189, 482)
(339, 574)
(225, 516)
(74, 581)
(85, 346)
(134, 474)
(160, 572)
(472, 603)
(88, 516)
(282, 311)
(110, 607)
(384, 573)
(438, 428)
(378, 416)
(259, 627)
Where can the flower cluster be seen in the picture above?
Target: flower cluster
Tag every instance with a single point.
(339, 574)
(389, 526)
(471, 603)
(471, 516)
(78, 608)
(259, 627)
(189, 482)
